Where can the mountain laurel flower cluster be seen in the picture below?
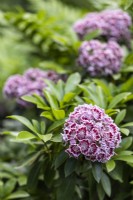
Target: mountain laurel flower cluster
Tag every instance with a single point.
(90, 132)
(113, 24)
(100, 59)
(31, 82)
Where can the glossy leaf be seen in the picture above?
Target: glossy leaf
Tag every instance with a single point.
(33, 175)
(105, 181)
(47, 115)
(127, 124)
(97, 171)
(46, 137)
(120, 116)
(58, 114)
(110, 165)
(25, 135)
(51, 99)
(100, 191)
(125, 131)
(56, 124)
(126, 158)
(18, 194)
(60, 159)
(66, 189)
(70, 166)
(118, 98)
(126, 143)
(57, 138)
(72, 82)
(23, 120)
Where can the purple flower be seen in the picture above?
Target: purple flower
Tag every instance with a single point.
(100, 58)
(35, 74)
(12, 85)
(95, 137)
(32, 82)
(118, 23)
(113, 24)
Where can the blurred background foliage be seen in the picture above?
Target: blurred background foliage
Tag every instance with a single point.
(38, 33)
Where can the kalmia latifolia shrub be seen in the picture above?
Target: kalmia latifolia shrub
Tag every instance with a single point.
(90, 132)
(32, 81)
(100, 58)
(113, 24)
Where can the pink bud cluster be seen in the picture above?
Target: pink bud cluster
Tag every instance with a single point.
(90, 132)
(32, 81)
(113, 24)
(100, 58)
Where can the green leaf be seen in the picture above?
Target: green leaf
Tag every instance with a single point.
(68, 97)
(33, 175)
(23, 120)
(54, 90)
(118, 98)
(58, 114)
(100, 191)
(51, 99)
(46, 137)
(127, 124)
(105, 181)
(70, 166)
(43, 127)
(72, 82)
(36, 125)
(103, 86)
(18, 194)
(30, 159)
(111, 112)
(110, 165)
(47, 115)
(35, 99)
(56, 124)
(101, 97)
(117, 173)
(126, 143)
(127, 6)
(120, 116)
(9, 186)
(60, 88)
(30, 99)
(25, 135)
(60, 159)
(49, 174)
(124, 153)
(92, 35)
(127, 158)
(97, 171)
(125, 131)
(57, 138)
(22, 180)
(66, 189)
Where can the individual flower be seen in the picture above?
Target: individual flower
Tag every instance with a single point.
(113, 24)
(90, 132)
(100, 59)
(31, 82)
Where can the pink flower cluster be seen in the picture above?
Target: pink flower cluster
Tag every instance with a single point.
(32, 81)
(113, 24)
(100, 58)
(90, 132)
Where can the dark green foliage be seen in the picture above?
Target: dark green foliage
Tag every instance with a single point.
(34, 164)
